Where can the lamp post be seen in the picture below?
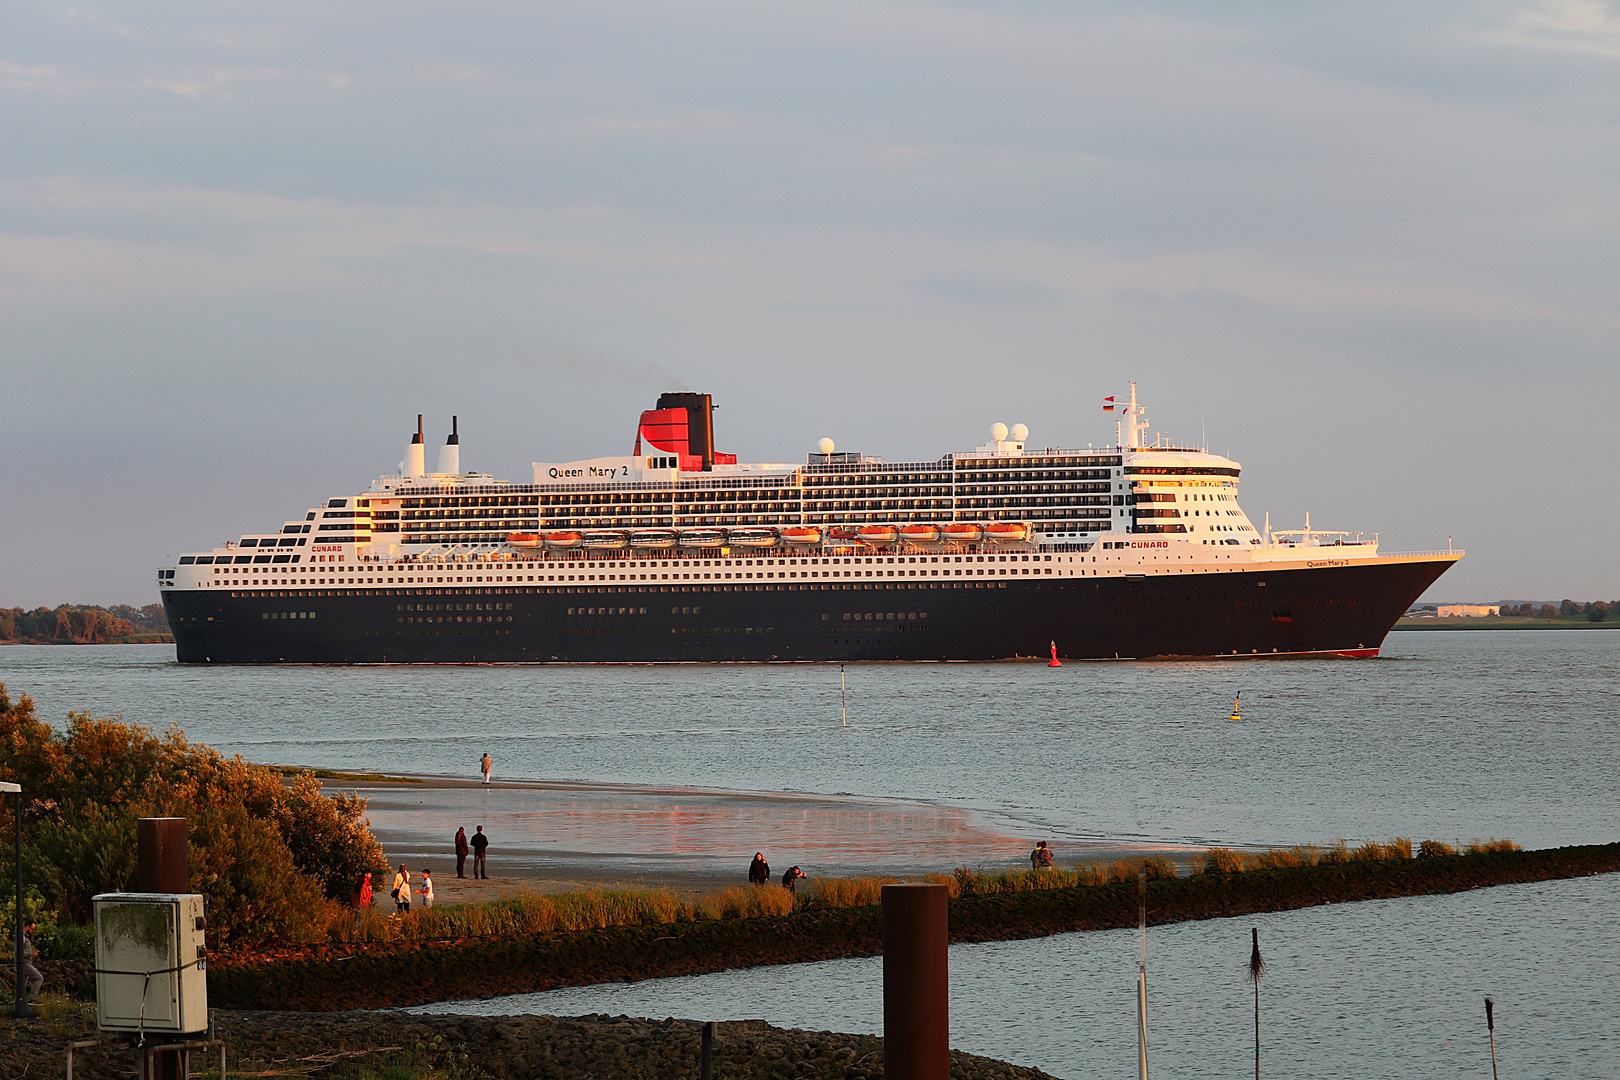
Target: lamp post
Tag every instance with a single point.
(21, 1010)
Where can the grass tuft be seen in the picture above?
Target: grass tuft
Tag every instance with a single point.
(1479, 847)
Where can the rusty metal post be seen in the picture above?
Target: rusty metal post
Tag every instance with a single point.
(916, 983)
(160, 865)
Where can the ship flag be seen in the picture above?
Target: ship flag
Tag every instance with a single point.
(1108, 404)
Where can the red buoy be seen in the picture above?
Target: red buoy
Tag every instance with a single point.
(1055, 661)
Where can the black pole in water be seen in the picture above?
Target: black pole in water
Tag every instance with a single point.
(1490, 1029)
(1256, 966)
(706, 1062)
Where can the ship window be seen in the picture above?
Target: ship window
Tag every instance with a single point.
(244, 558)
(338, 503)
(250, 542)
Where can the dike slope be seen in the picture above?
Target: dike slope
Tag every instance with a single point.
(338, 977)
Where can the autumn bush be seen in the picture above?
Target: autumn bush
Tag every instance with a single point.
(274, 856)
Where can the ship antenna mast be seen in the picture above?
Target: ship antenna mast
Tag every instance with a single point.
(1133, 426)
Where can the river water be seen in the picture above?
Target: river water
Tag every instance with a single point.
(1449, 734)
(1460, 734)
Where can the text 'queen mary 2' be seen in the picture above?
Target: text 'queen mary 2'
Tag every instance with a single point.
(678, 553)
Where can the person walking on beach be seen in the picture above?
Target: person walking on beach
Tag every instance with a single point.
(29, 972)
(759, 871)
(480, 844)
(485, 764)
(461, 852)
(791, 879)
(1041, 857)
(402, 890)
(427, 887)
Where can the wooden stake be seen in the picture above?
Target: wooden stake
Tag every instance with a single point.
(1256, 966)
(1490, 1029)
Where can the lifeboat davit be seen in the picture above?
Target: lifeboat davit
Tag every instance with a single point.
(801, 534)
(753, 538)
(703, 538)
(877, 534)
(652, 538)
(564, 539)
(606, 539)
(919, 534)
(1004, 532)
(524, 540)
(962, 532)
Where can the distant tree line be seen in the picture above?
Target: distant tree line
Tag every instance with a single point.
(81, 624)
(1593, 610)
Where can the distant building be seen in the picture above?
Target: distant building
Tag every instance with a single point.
(1468, 611)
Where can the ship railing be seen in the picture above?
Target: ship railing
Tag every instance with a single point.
(1422, 554)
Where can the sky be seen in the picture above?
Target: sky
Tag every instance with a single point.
(1370, 250)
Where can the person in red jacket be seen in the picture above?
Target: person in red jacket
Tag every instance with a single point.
(461, 852)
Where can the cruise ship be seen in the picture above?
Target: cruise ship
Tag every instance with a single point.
(677, 553)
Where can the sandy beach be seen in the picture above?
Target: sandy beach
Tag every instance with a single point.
(555, 836)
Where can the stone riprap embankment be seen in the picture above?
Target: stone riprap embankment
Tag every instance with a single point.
(503, 1048)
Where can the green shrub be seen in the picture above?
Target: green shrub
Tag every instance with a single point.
(270, 855)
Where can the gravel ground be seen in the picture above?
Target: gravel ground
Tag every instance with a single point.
(499, 1048)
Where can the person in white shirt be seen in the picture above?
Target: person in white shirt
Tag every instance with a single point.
(402, 890)
(427, 888)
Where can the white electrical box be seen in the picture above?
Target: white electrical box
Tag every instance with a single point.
(151, 966)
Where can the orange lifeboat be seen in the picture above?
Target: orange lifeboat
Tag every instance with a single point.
(801, 534)
(1005, 532)
(606, 539)
(877, 534)
(524, 540)
(962, 532)
(565, 539)
(919, 534)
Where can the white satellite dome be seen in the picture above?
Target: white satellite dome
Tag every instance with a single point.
(998, 432)
(825, 446)
(1020, 432)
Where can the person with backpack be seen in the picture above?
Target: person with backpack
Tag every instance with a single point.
(1041, 857)
(485, 764)
(480, 845)
(759, 871)
(401, 892)
(461, 852)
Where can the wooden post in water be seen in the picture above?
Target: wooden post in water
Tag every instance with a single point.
(1141, 974)
(1256, 966)
(916, 983)
(1490, 1030)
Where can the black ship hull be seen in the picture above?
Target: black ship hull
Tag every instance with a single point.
(1342, 610)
